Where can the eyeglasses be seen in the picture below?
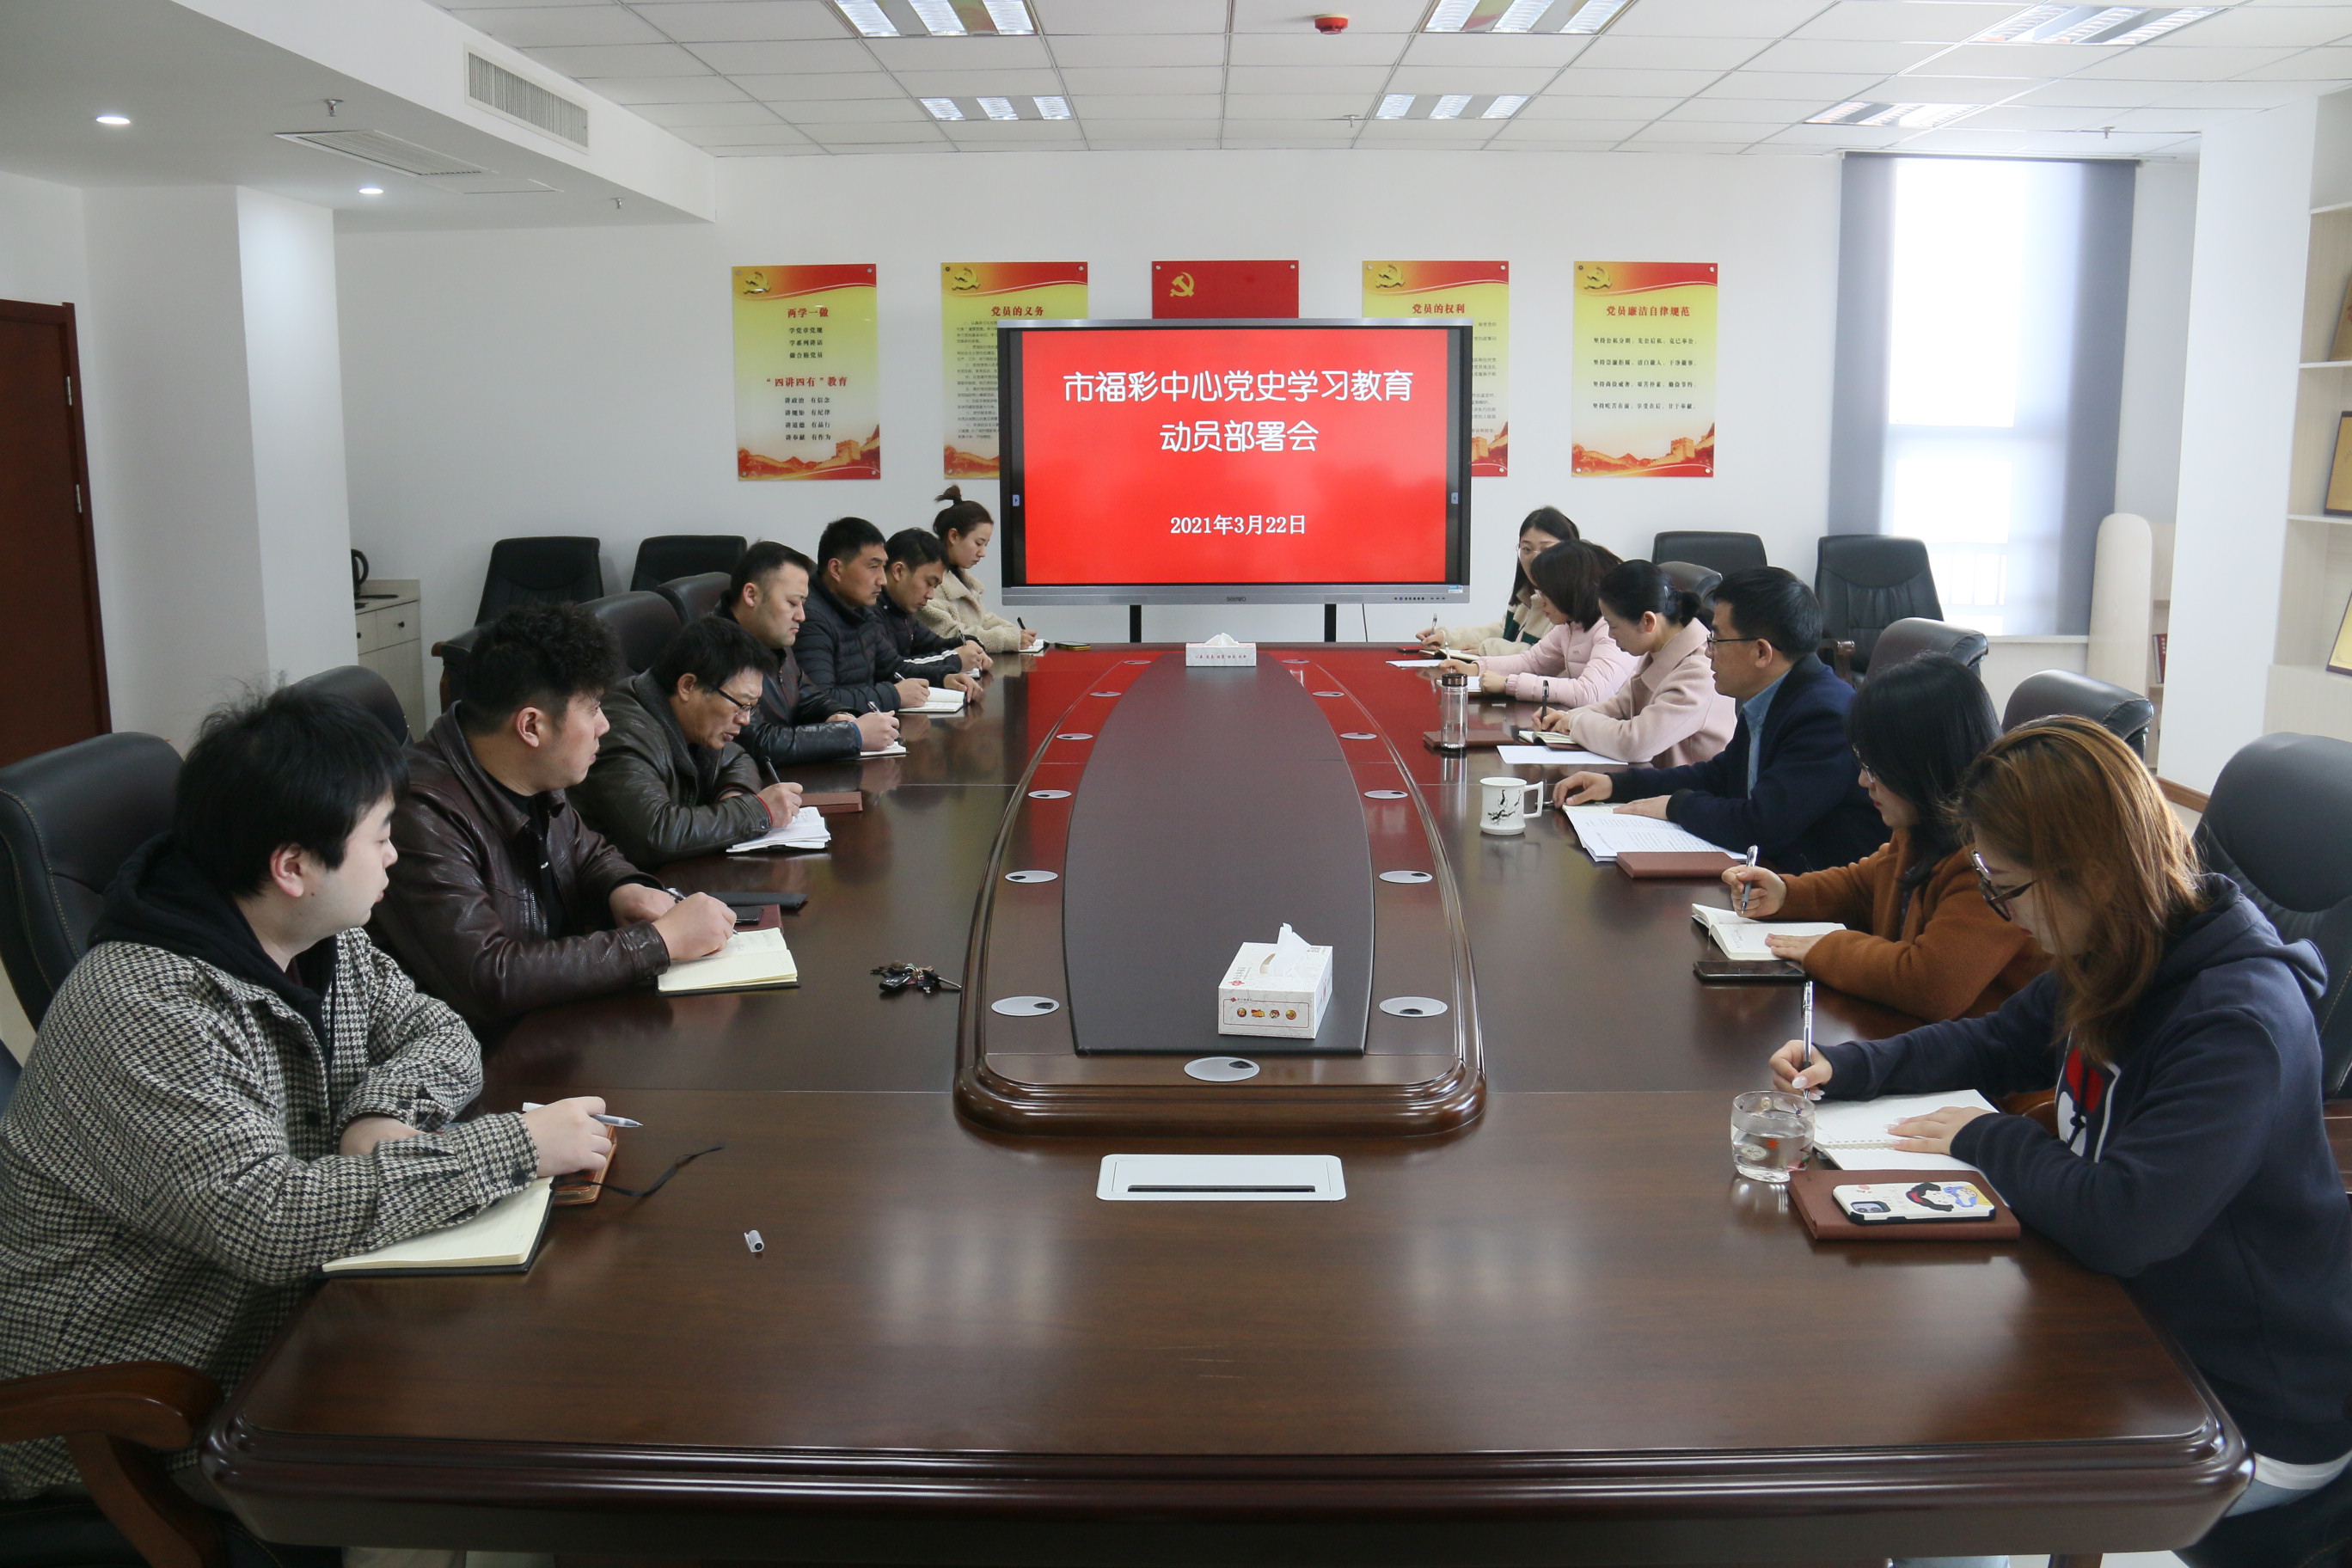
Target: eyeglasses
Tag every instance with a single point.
(1862, 771)
(1998, 899)
(1714, 642)
(743, 704)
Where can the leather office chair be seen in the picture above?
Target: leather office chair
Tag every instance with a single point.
(1690, 577)
(696, 596)
(1723, 552)
(69, 819)
(667, 557)
(2280, 825)
(453, 652)
(641, 624)
(359, 684)
(1866, 583)
(2123, 713)
(562, 569)
(1916, 635)
(2310, 1532)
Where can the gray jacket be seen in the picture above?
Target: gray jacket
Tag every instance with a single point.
(658, 799)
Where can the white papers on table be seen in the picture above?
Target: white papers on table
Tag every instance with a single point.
(1546, 756)
(1416, 663)
(806, 830)
(943, 699)
(751, 960)
(1745, 939)
(1854, 1132)
(1604, 832)
(498, 1241)
(895, 749)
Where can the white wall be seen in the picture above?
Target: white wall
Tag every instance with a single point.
(41, 253)
(2155, 341)
(575, 381)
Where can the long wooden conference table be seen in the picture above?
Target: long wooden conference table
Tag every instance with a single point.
(1546, 1325)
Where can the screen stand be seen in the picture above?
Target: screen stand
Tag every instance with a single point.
(1330, 623)
(1135, 623)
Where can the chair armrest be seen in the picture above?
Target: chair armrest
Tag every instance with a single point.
(1838, 654)
(115, 1419)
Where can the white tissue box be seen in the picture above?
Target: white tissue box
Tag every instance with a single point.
(1285, 1007)
(1219, 653)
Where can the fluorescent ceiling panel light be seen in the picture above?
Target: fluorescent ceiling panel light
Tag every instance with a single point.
(1506, 106)
(939, 18)
(1450, 106)
(1900, 116)
(1521, 15)
(2181, 17)
(2103, 24)
(866, 17)
(1010, 16)
(1838, 115)
(1395, 106)
(371, 190)
(999, 108)
(1448, 16)
(1593, 15)
(1053, 108)
(942, 107)
(114, 119)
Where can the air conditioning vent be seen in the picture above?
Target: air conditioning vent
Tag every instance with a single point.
(385, 151)
(503, 92)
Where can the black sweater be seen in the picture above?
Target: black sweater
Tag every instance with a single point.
(2199, 1172)
(848, 658)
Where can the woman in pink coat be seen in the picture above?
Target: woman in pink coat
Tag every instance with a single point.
(1669, 713)
(1576, 664)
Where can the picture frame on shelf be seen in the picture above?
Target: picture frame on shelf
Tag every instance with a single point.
(2341, 348)
(2339, 470)
(2339, 657)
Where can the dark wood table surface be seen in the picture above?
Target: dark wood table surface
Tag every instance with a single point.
(1563, 1333)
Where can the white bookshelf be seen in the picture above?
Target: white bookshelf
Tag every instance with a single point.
(2316, 575)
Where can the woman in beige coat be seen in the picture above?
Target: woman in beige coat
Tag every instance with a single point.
(1524, 620)
(957, 610)
(1669, 713)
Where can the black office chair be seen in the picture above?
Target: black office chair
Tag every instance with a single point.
(69, 819)
(1866, 583)
(2122, 712)
(562, 568)
(641, 624)
(453, 652)
(2280, 825)
(696, 596)
(1724, 552)
(1916, 635)
(2310, 1532)
(666, 557)
(364, 685)
(1690, 577)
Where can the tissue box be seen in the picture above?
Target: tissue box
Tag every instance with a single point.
(1219, 653)
(1289, 1007)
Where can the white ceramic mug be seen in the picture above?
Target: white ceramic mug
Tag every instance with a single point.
(1504, 807)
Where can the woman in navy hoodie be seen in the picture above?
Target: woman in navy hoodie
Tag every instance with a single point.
(2190, 1161)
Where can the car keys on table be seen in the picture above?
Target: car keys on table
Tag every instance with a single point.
(897, 977)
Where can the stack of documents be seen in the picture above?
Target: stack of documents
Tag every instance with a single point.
(1561, 755)
(498, 1241)
(1852, 1133)
(752, 960)
(1745, 939)
(943, 699)
(1603, 831)
(806, 830)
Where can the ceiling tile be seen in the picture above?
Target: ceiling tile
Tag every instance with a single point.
(2182, 65)
(1823, 55)
(1711, 131)
(799, 56)
(1349, 49)
(2309, 66)
(1861, 138)
(1068, 16)
(972, 84)
(811, 85)
(2178, 120)
(1313, 79)
(1779, 150)
(1921, 89)
(1287, 132)
(741, 136)
(2059, 143)
(2050, 117)
(1163, 49)
(1554, 49)
(1499, 145)
(1425, 133)
(959, 54)
(2076, 92)
(1916, 21)
(1829, 86)
(1148, 106)
(1297, 105)
(539, 26)
(801, 150)
(2246, 94)
(587, 62)
(1010, 132)
(1181, 127)
(1632, 83)
(2293, 26)
(1522, 128)
(1715, 19)
(747, 21)
(1644, 144)
(677, 115)
(1458, 78)
(2043, 60)
(854, 132)
(453, 6)
(1156, 145)
(1594, 106)
(1290, 16)
(1780, 112)
(642, 89)
(1175, 79)
(1673, 54)
(860, 110)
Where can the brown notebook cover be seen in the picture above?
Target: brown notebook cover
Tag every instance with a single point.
(1645, 864)
(1476, 737)
(579, 1187)
(1809, 1195)
(834, 802)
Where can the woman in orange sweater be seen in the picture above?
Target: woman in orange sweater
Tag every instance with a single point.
(1920, 939)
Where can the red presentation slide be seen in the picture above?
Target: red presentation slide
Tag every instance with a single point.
(1234, 455)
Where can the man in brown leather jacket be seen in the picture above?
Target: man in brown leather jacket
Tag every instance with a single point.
(503, 900)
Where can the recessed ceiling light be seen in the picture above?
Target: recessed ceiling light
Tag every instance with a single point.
(1052, 108)
(1899, 116)
(114, 119)
(1521, 15)
(1506, 106)
(1395, 106)
(938, 17)
(2109, 25)
(999, 108)
(868, 18)
(942, 107)
(1450, 106)
(1449, 15)
(371, 190)
(1010, 16)
(1593, 15)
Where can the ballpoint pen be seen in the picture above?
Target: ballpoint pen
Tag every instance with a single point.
(1742, 911)
(593, 1116)
(1809, 1092)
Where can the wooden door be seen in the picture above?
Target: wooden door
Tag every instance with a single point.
(53, 688)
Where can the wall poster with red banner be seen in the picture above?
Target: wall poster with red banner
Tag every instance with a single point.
(1644, 369)
(974, 297)
(1478, 292)
(1238, 290)
(808, 383)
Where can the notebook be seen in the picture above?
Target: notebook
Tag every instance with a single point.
(1603, 831)
(806, 830)
(895, 749)
(501, 1239)
(1745, 939)
(943, 699)
(752, 960)
(1852, 1133)
(1551, 757)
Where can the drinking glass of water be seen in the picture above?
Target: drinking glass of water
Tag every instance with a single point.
(1771, 1133)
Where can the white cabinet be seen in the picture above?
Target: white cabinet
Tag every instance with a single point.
(390, 643)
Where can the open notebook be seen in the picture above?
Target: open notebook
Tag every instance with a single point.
(943, 699)
(1852, 1133)
(1745, 939)
(752, 960)
(1603, 831)
(806, 830)
(501, 1239)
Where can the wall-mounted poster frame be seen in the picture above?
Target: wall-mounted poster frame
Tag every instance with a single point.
(808, 381)
(1645, 403)
(1478, 292)
(975, 297)
(2339, 471)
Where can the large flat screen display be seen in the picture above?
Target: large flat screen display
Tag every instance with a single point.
(1235, 461)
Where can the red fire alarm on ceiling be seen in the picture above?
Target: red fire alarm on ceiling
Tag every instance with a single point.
(1333, 23)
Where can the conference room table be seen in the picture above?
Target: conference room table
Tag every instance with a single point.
(1550, 1326)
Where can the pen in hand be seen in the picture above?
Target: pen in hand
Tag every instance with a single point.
(593, 1116)
(1811, 1093)
(1742, 913)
